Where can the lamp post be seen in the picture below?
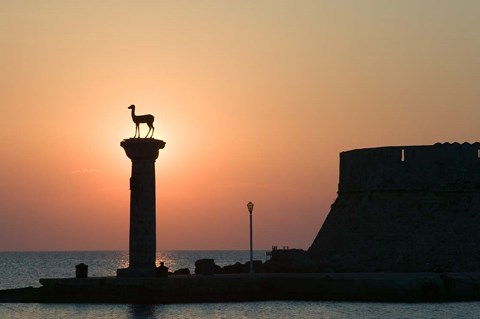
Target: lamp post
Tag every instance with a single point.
(250, 210)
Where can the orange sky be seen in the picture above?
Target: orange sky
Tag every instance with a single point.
(255, 99)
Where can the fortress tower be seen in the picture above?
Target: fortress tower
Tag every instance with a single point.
(406, 208)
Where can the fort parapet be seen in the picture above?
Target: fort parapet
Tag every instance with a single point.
(441, 167)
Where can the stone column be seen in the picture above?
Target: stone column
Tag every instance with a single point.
(142, 247)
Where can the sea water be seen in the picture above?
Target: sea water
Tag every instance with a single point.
(22, 269)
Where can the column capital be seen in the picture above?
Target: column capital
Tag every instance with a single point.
(142, 148)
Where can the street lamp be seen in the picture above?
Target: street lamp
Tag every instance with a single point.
(250, 210)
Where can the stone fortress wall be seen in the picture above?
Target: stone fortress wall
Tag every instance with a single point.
(402, 209)
(441, 167)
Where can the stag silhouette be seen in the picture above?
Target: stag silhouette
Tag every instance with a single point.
(137, 119)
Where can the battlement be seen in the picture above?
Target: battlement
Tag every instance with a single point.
(439, 167)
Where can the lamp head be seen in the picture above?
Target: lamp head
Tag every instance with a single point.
(250, 207)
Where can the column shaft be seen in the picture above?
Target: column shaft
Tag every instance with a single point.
(142, 214)
(142, 245)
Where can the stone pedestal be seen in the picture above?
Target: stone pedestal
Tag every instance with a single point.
(142, 248)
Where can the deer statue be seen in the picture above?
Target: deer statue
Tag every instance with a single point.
(137, 119)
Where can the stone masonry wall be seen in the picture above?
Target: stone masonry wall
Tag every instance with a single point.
(411, 208)
(440, 167)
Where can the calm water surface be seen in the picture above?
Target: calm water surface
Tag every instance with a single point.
(260, 310)
(22, 269)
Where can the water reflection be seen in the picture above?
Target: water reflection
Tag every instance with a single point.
(123, 260)
(141, 311)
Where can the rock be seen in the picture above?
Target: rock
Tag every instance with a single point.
(205, 267)
(290, 261)
(182, 271)
(258, 266)
(237, 268)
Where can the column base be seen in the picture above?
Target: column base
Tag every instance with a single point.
(137, 272)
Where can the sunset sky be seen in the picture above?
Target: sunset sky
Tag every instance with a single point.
(255, 100)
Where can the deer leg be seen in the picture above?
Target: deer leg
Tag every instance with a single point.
(149, 128)
(137, 130)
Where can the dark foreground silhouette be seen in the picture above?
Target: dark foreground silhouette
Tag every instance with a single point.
(391, 287)
(280, 278)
